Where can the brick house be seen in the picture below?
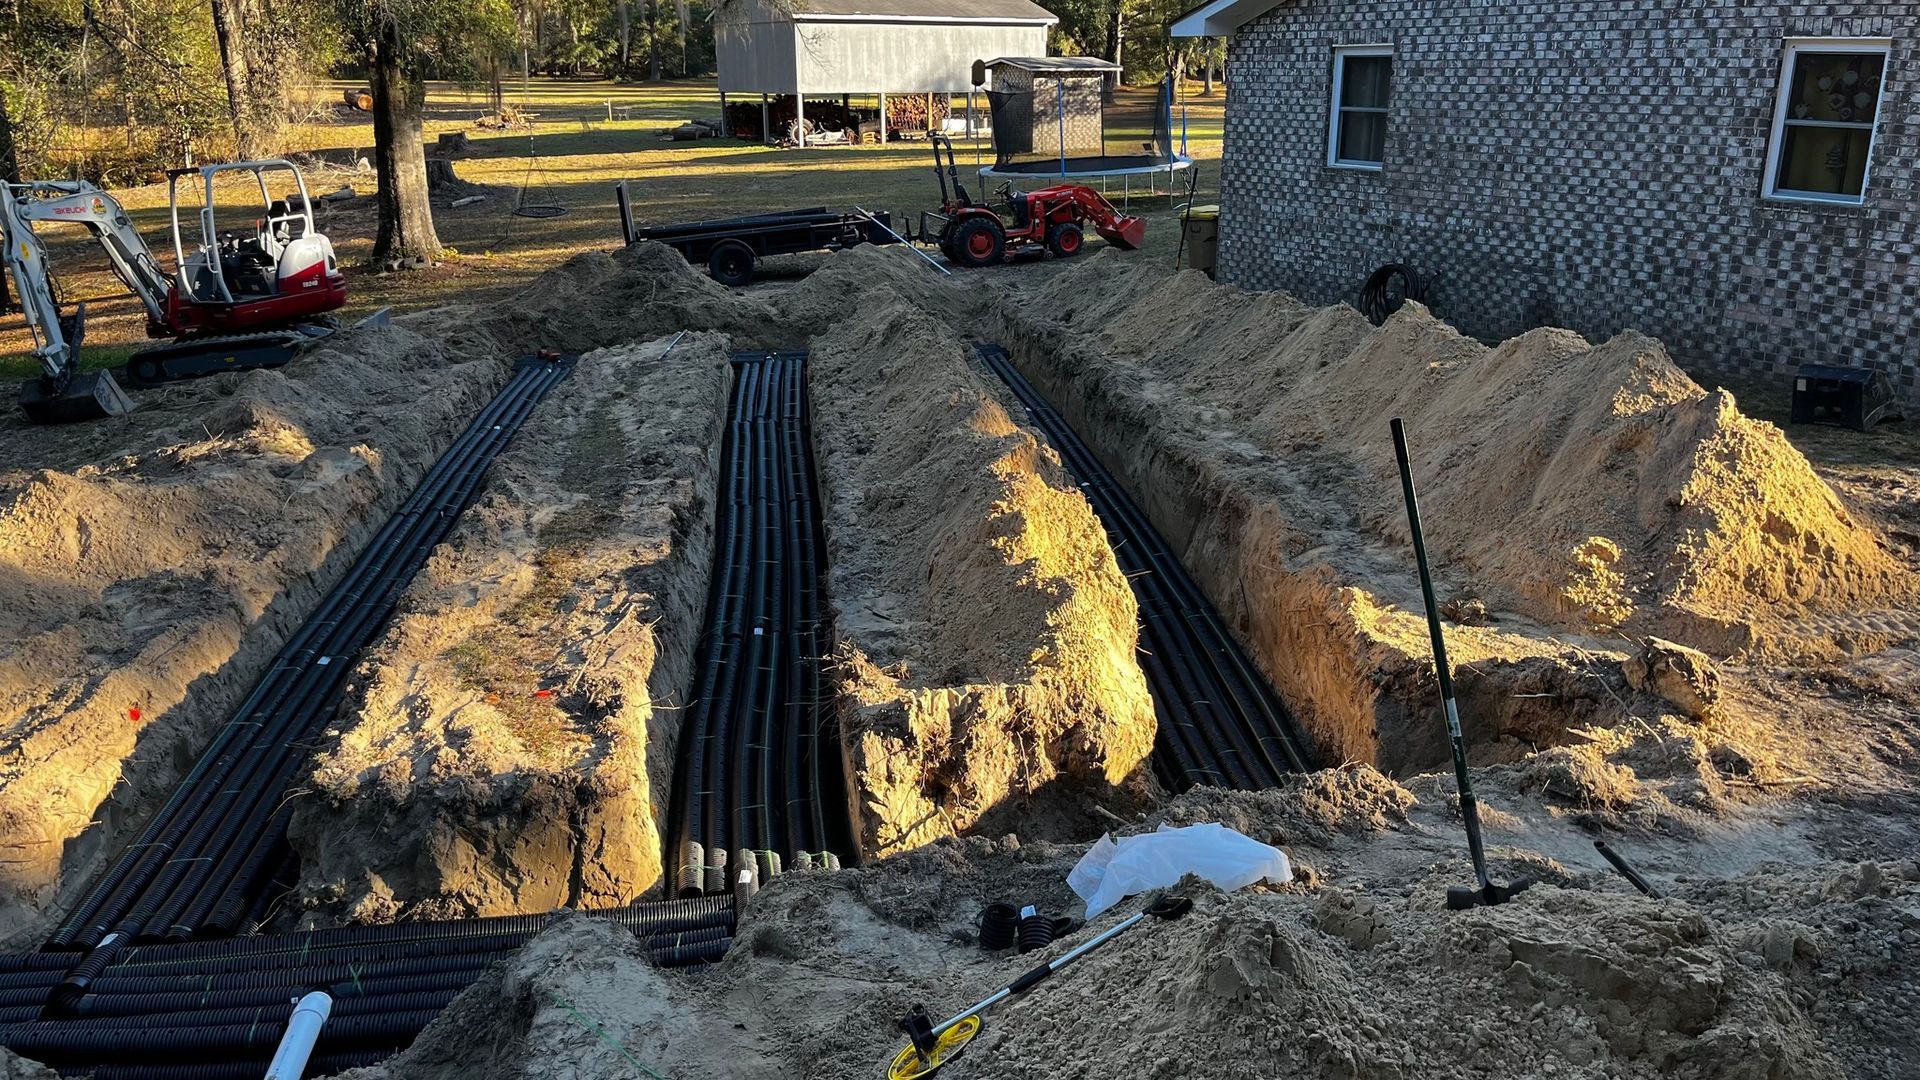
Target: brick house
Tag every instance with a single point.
(1741, 180)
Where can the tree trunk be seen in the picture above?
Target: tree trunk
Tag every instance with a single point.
(9, 157)
(1116, 39)
(10, 174)
(626, 33)
(233, 64)
(653, 40)
(682, 16)
(255, 87)
(405, 236)
(1206, 70)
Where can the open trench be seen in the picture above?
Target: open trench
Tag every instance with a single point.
(1004, 672)
(1220, 724)
(132, 973)
(759, 785)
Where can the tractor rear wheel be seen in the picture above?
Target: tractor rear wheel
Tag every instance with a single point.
(980, 241)
(1065, 239)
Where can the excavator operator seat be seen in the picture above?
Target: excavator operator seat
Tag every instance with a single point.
(286, 220)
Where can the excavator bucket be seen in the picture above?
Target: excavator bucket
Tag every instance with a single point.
(65, 395)
(88, 395)
(1124, 231)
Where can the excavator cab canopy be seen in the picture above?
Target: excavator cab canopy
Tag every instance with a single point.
(227, 267)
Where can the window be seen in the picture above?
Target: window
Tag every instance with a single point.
(1823, 123)
(1362, 76)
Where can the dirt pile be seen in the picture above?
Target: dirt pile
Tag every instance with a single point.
(833, 294)
(1588, 486)
(1366, 977)
(1590, 495)
(600, 299)
(509, 743)
(986, 656)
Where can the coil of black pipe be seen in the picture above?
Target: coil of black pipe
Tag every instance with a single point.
(1220, 722)
(1377, 299)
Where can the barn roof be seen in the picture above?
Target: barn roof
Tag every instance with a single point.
(969, 11)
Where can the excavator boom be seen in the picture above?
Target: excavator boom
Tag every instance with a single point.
(63, 392)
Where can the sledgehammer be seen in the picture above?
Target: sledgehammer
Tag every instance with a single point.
(1459, 897)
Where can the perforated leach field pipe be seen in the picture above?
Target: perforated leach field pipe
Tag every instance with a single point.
(407, 970)
(752, 792)
(197, 862)
(1220, 723)
(254, 722)
(217, 827)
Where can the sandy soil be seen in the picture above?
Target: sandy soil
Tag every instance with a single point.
(1587, 497)
(1752, 967)
(152, 566)
(1673, 631)
(156, 563)
(986, 638)
(509, 744)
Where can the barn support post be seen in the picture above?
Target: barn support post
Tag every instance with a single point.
(883, 118)
(723, 114)
(800, 118)
(766, 125)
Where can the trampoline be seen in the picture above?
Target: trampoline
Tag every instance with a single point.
(1049, 122)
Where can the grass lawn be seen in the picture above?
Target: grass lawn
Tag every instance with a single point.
(571, 156)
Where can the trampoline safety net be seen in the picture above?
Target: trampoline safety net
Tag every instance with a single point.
(1041, 118)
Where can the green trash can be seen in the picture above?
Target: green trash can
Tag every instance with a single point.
(1202, 224)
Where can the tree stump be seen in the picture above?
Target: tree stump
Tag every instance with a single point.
(452, 142)
(439, 173)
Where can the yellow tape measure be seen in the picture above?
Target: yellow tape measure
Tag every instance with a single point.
(911, 1064)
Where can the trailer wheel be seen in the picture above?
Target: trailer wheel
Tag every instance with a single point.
(980, 242)
(731, 263)
(1064, 240)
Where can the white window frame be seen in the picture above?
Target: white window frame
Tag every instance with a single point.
(1789, 62)
(1340, 55)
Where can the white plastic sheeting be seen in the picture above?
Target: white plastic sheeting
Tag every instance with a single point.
(1113, 870)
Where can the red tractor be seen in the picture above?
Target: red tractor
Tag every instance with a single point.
(1048, 222)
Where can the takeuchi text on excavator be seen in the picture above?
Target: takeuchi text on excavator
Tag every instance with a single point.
(242, 299)
(1049, 222)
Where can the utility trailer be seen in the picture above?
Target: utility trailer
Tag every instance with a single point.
(729, 246)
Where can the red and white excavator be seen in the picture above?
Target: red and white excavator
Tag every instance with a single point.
(242, 300)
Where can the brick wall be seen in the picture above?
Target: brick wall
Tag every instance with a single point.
(1593, 164)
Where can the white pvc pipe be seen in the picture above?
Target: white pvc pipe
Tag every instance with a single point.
(303, 1030)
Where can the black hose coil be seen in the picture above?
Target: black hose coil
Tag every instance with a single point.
(1377, 296)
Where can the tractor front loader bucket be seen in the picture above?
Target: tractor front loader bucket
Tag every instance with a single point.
(87, 395)
(1124, 231)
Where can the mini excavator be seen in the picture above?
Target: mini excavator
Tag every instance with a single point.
(242, 300)
(1047, 222)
